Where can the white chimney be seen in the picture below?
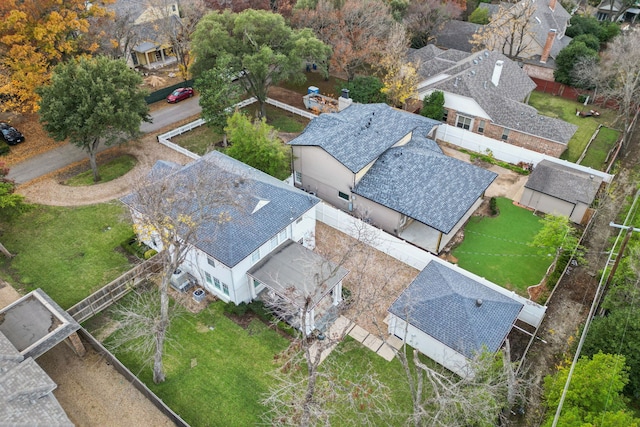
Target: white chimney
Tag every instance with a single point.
(497, 70)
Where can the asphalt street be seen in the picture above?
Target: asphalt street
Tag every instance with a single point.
(67, 154)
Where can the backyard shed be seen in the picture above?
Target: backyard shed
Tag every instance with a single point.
(559, 189)
(450, 316)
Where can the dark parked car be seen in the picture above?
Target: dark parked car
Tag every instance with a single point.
(180, 94)
(10, 134)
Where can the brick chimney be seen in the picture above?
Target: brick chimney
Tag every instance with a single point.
(547, 46)
(552, 5)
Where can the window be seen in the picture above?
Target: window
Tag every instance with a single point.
(256, 283)
(274, 242)
(297, 177)
(255, 257)
(445, 115)
(282, 236)
(225, 289)
(299, 220)
(207, 277)
(505, 134)
(343, 195)
(216, 283)
(173, 7)
(481, 126)
(211, 262)
(463, 122)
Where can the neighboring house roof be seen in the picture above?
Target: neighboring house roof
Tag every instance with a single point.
(295, 273)
(456, 34)
(26, 396)
(248, 228)
(424, 184)
(456, 310)
(492, 8)
(563, 182)
(556, 19)
(359, 134)
(472, 77)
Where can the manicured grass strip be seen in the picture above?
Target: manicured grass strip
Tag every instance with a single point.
(281, 120)
(597, 153)
(555, 106)
(231, 373)
(496, 248)
(114, 168)
(68, 252)
(200, 140)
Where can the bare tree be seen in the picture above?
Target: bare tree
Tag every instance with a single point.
(171, 209)
(510, 30)
(619, 79)
(424, 17)
(116, 33)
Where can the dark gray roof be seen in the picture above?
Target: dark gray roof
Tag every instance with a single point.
(563, 182)
(297, 273)
(472, 77)
(550, 20)
(443, 303)
(357, 135)
(457, 35)
(424, 184)
(26, 397)
(492, 8)
(232, 241)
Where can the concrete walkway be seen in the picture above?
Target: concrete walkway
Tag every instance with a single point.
(343, 326)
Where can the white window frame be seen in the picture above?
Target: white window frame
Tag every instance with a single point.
(505, 134)
(482, 126)
(461, 119)
(255, 256)
(297, 177)
(225, 288)
(273, 243)
(208, 277)
(341, 194)
(211, 262)
(282, 236)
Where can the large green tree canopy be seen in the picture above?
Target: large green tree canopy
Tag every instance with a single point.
(91, 100)
(264, 50)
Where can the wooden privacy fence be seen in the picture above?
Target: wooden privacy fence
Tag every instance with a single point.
(112, 292)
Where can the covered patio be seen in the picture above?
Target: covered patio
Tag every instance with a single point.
(298, 285)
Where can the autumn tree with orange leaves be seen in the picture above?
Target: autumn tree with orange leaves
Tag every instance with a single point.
(36, 35)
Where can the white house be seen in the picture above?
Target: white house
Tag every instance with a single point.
(270, 220)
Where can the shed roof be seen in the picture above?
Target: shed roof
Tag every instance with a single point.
(248, 228)
(357, 135)
(456, 310)
(295, 273)
(424, 184)
(563, 182)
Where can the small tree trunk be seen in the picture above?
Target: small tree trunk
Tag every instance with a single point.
(161, 331)
(6, 252)
(93, 152)
(263, 108)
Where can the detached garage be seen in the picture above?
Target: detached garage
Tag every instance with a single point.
(450, 316)
(560, 190)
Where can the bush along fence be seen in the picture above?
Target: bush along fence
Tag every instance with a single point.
(161, 94)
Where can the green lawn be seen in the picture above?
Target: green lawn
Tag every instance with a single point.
(555, 106)
(496, 248)
(200, 140)
(600, 147)
(109, 170)
(330, 87)
(68, 252)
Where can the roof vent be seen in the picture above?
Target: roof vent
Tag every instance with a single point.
(455, 83)
(480, 58)
(486, 53)
(475, 62)
(473, 72)
(478, 302)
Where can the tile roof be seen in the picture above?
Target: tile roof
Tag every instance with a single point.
(297, 273)
(26, 397)
(457, 310)
(457, 35)
(563, 182)
(234, 240)
(357, 135)
(424, 184)
(472, 77)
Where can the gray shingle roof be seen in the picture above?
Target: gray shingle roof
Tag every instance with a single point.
(26, 397)
(442, 303)
(457, 35)
(357, 135)
(424, 184)
(550, 20)
(234, 240)
(563, 182)
(472, 77)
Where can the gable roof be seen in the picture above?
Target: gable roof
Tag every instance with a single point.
(26, 391)
(248, 228)
(424, 184)
(357, 135)
(455, 34)
(563, 182)
(456, 310)
(471, 77)
(556, 19)
(296, 272)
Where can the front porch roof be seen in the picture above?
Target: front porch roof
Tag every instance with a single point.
(146, 47)
(295, 273)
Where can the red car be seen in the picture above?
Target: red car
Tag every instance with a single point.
(180, 94)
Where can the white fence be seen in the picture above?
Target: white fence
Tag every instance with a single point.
(505, 152)
(532, 313)
(304, 113)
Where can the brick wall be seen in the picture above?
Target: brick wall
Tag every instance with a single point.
(523, 140)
